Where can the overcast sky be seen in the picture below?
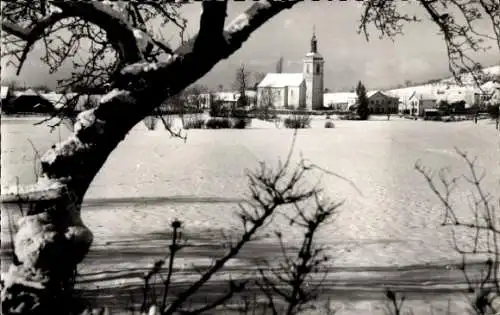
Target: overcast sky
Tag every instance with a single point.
(418, 55)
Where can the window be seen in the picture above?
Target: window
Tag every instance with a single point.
(318, 68)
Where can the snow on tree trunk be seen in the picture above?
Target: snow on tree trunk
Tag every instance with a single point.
(52, 239)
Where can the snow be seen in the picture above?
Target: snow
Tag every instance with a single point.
(314, 55)
(4, 92)
(72, 143)
(87, 118)
(113, 8)
(152, 66)
(387, 94)
(114, 93)
(468, 79)
(265, 4)
(239, 23)
(54, 9)
(28, 92)
(142, 39)
(339, 98)
(282, 80)
(35, 232)
(45, 188)
(57, 99)
(200, 182)
(140, 67)
(14, 276)
(490, 86)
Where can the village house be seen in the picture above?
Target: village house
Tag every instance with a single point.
(28, 101)
(295, 90)
(340, 102)
(382, 103)
(200, 101)
(230, 99)
(488, 94)
(420, 102)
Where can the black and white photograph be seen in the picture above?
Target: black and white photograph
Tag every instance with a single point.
(258, 157)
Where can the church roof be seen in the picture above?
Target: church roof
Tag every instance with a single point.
(282, 80)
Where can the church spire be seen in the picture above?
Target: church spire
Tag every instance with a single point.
(314, 41)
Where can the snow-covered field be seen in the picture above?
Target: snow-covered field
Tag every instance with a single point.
(151, 179)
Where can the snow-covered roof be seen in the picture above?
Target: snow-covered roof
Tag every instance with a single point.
(226, 96)
(339, 98)
(250, 93)
(233, 96)
(56, 99)
(386, 94)
(59, 100)
(4, 92)
(28, 92)
(282, 80)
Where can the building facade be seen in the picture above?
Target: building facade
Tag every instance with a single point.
(340, 101)
(382, 103)
(419, 103)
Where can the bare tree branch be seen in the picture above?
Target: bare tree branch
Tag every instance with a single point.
(481, 229)
(457, 21)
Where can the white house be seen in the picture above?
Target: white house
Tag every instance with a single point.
(419, 102)
(229, 99)
(340, 101)
(295, 90)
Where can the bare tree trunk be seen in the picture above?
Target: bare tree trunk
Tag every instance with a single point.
(52, 239)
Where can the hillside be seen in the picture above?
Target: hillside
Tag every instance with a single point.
(448, 89)
(489, 74)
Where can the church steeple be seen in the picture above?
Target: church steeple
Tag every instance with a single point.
(314, 41)
(313, 75)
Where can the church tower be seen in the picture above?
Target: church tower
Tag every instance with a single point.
(313, 75)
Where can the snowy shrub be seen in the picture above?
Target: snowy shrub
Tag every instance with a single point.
(150, 122)
(329, 124)
(193, 122)
(297, 121)
(218, 123)
(241, 123)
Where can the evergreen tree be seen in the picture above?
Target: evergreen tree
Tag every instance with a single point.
(362, 102)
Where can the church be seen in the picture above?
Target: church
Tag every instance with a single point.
(295, 90)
